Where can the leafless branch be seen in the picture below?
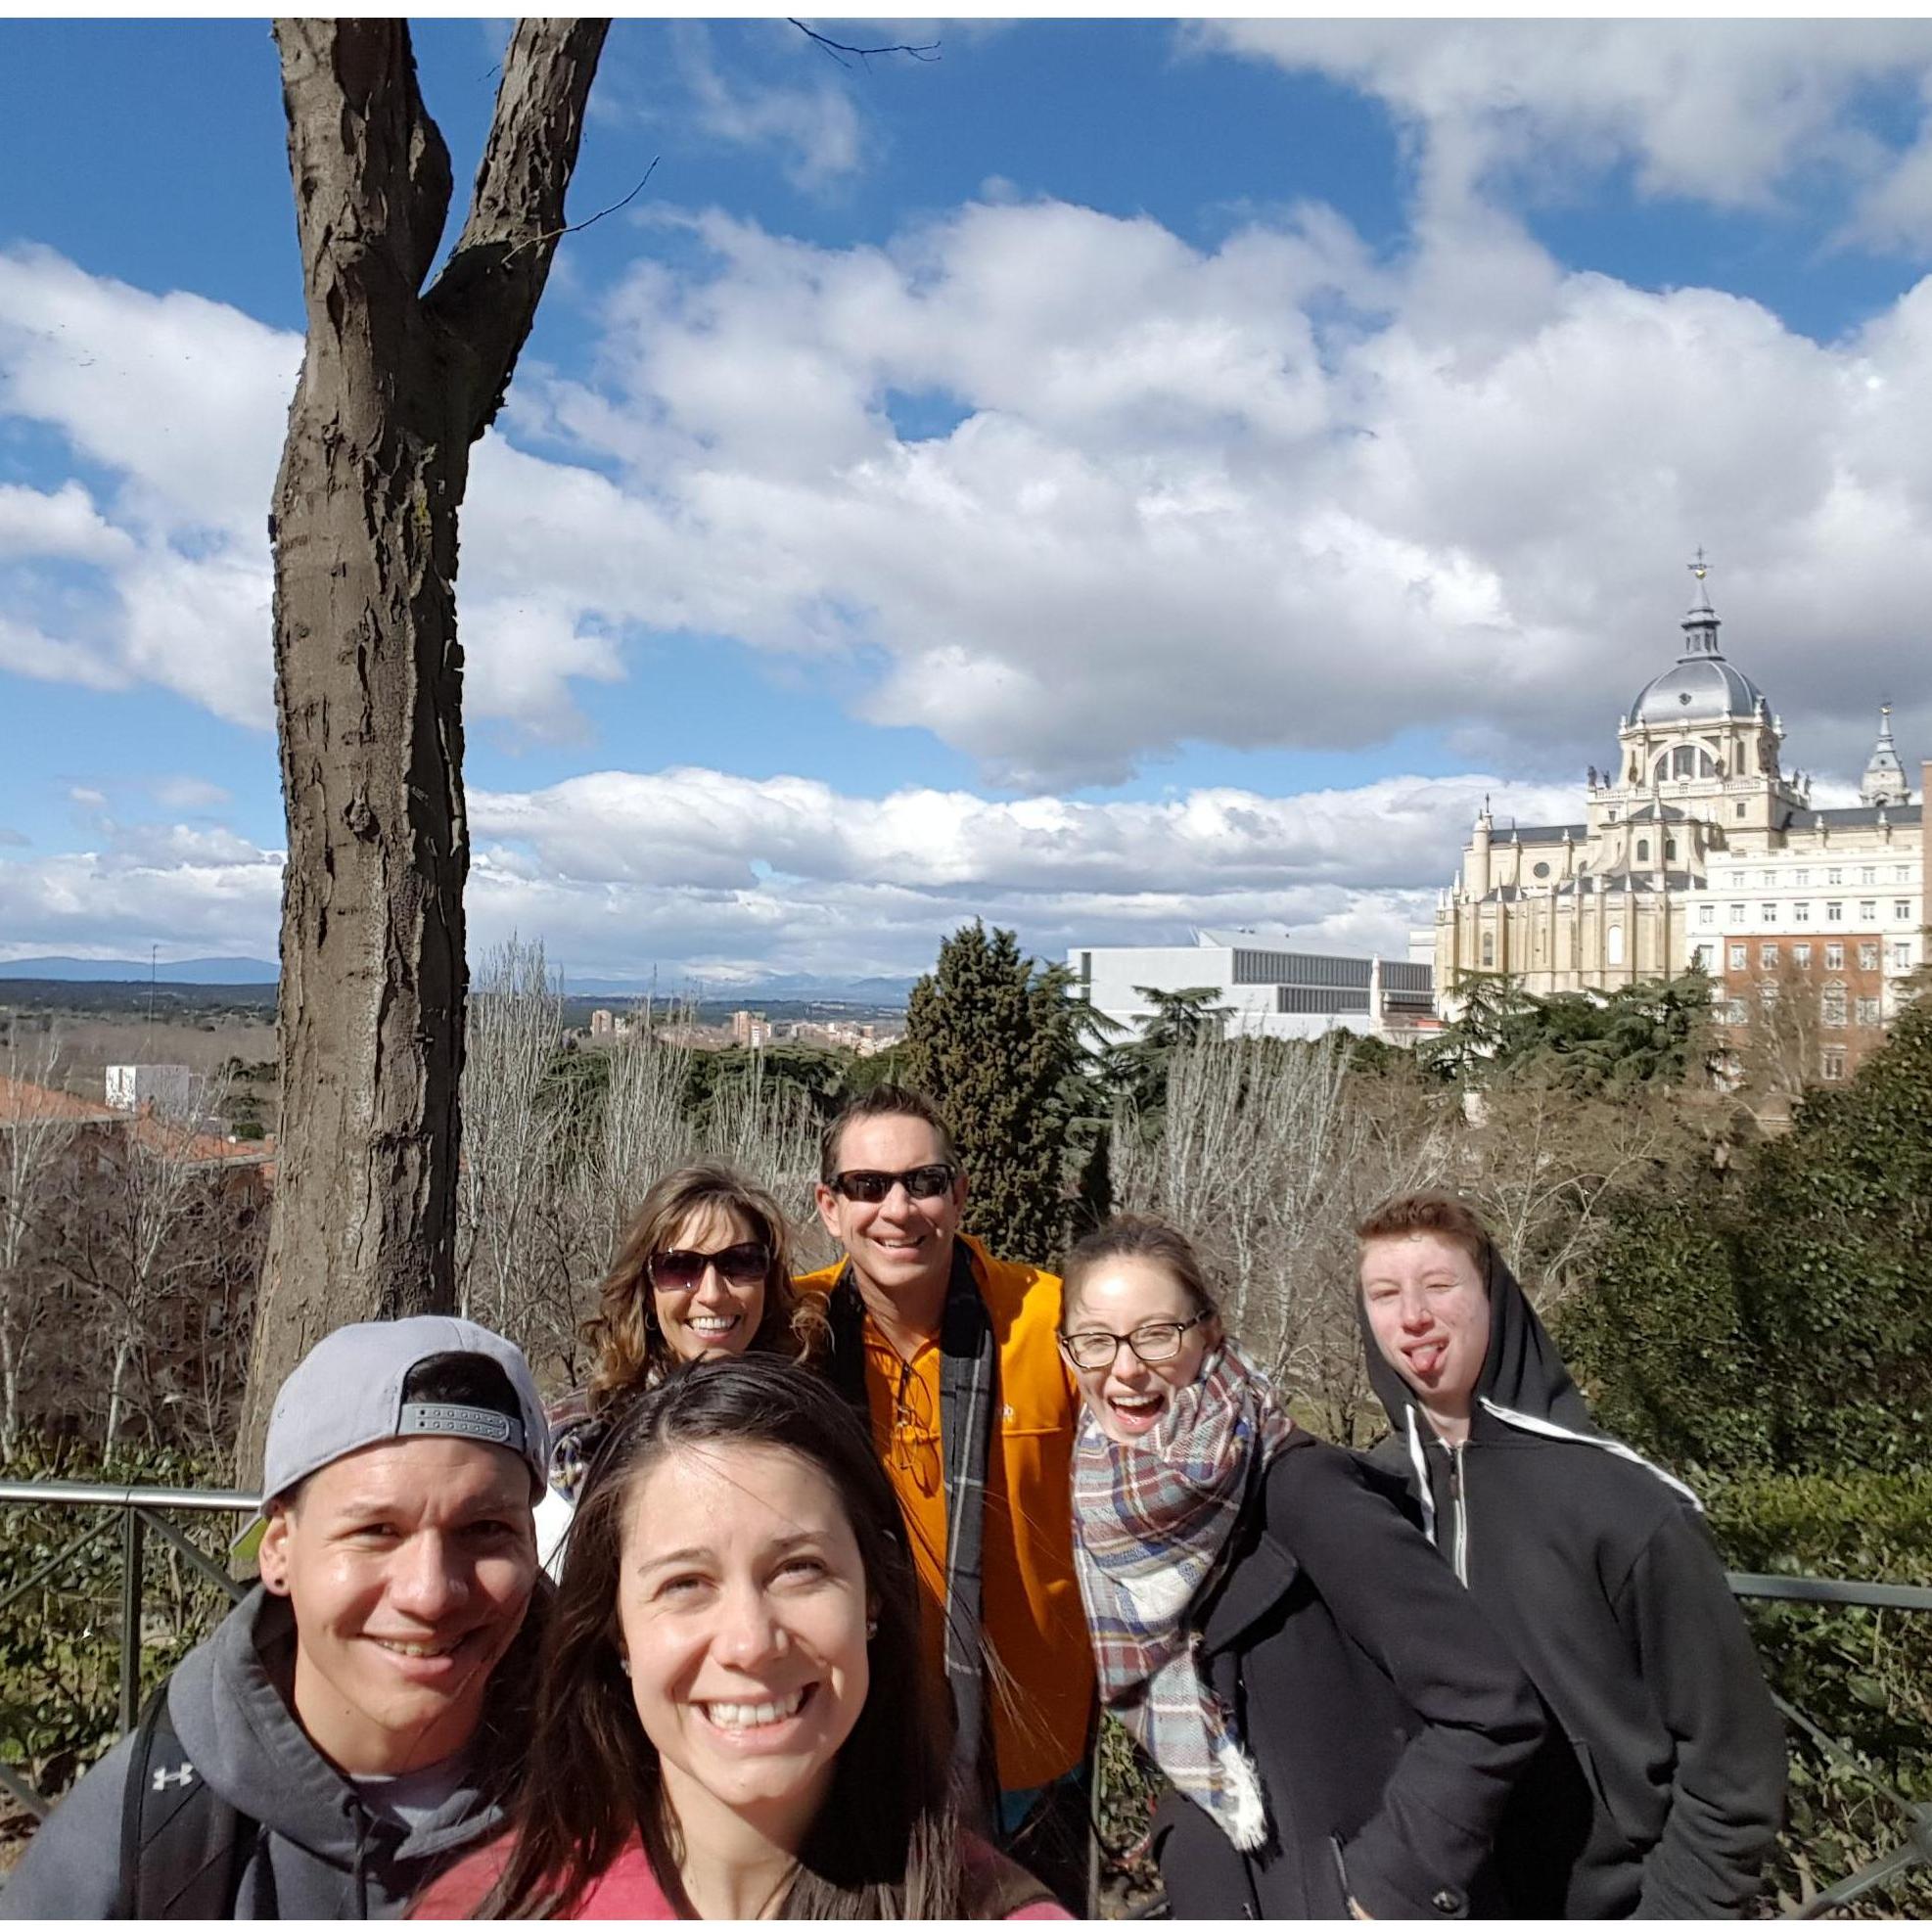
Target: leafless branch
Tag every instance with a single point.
(838, 49)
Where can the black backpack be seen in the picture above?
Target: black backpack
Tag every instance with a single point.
(183, 1846)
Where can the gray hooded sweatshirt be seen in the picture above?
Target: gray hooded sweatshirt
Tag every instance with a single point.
(319, 1854)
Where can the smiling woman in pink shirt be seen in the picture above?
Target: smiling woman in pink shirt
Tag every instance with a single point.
(731, 1719)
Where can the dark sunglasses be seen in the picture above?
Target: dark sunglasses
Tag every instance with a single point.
(872, 1184)
(745, 1263)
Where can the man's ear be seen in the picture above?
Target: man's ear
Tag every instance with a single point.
(827, 1202)
(960, 1188)
(272, 1557)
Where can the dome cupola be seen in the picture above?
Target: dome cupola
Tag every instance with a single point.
(1700, 687)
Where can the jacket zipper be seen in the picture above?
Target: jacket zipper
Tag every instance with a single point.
(1459, 1498)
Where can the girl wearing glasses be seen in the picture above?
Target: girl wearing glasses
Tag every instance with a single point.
(731, 1714)
(704, 1271)
(1340, 1728)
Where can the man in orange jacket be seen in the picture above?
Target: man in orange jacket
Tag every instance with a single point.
(954, 1357)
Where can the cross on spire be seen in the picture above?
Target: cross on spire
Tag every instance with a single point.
(1700, 570)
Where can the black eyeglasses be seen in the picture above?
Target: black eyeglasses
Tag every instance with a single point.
(873, 1184)
(745, 1263)
(1153, 1341)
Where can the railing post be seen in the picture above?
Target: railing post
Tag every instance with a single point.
(130, 1618)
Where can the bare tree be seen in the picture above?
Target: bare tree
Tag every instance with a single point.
(397, 380)
(36, 1144)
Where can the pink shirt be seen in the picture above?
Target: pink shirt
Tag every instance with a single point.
(628, 1889)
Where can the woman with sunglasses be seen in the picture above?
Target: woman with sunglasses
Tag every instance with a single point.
(704, 1271)
(1340, 1728)
(731, 1716)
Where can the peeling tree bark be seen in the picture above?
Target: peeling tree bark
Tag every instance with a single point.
(396, 383)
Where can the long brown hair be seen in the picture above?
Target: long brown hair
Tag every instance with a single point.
(631, 1352)
(886, 1843)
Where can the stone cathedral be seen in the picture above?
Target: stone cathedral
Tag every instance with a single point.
(1619, 894)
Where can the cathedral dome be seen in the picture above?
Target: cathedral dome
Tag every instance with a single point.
(1697, 689)
(1700, 687)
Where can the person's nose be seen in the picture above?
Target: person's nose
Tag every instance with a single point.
(1416, 1312)
(429, 1577)
(749, 1635)
(710, 1291)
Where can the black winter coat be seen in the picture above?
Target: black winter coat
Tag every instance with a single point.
(1387, 1723)
(1660, 1785)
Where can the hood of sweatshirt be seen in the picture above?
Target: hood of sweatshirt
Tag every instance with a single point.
(228, 1700)
(1523, 1387)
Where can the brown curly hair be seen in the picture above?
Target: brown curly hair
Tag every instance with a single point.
(631, 1353)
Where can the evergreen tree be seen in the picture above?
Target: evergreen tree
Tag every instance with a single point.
(996, 1041)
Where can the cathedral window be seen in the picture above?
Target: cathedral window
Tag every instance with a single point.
(1642, 850)
(1740, 809)
(1489, 948)
(1669, 849)
(1612, 948)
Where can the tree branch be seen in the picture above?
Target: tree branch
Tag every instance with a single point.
(838, 49)
(488, 293)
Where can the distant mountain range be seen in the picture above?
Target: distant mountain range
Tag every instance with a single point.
(242, 972)
(173, 973)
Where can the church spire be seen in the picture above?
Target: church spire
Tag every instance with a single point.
(1884, 781)
(1700, 624)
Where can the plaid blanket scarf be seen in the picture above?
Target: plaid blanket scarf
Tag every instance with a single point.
(1151, 1520)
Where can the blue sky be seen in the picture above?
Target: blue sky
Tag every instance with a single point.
(1110, 477)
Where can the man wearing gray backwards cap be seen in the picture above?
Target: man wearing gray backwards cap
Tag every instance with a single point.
(349, 1726)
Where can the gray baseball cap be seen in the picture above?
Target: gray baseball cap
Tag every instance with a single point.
(346, 1394)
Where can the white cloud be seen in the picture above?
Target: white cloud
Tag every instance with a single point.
(814, 127)
(1727, 112)
(699, 872)
(181, 792)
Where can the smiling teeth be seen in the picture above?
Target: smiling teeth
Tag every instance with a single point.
(715, 1324)
(417, 1649)
(747, 1717)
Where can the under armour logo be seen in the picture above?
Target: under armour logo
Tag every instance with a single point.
(184, 1778)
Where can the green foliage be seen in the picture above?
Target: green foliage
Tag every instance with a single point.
(996, 1041)
(819, 1072)
(1655, 1031)
(60, 1639)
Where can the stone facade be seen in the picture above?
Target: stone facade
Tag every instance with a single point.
(1624, 893)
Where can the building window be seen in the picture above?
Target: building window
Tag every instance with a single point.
(1868, 908)
(1706, 915)
(1834, 908)
(1767, 879)
(1901, 954)
(1802, 912)
(1768, 912)
(1736, 916)
(1768, 956)
(1540, 869)
(1613, 950)
(1740, 809)
(1801, 877)
(1767, 993)
(1801, 956)
(1832, 1006)
(1642, 850)
(1834, 875)
(1736, 958)
(1489, 948)
(1833, 1059)
(1902, 908)
(1834, 956)
(1670, 849)
(1734, 1012)
(1902, 873)
(1867, 875)
(1868, 956)
(1867, 1010)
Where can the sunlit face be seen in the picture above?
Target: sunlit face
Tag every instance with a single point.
(409, 1565)
(1123, 1296)
(719, 1315)
(1430, 1315)
(741, 1604)
(898, 1244)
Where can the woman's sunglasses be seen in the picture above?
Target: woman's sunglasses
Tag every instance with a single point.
(871, 1184)
(745, 1263)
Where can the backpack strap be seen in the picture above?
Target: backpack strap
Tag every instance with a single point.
(183, 1846)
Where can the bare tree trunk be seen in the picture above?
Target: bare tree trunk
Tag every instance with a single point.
(34, 1149)
(396, 384)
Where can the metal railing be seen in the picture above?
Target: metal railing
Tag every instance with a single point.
(136, 1511)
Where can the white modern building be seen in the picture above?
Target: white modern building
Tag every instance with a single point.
(159, 1089)
(1267, 987)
